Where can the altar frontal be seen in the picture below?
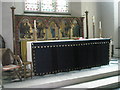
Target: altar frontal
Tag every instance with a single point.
(66, 55)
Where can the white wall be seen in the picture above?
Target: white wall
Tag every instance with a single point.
(119, 24)
(117, 27)
(75, 9)
(118, 5)
(0, 17)
(93, 9)
(19, 7)
(110, 22)
(7, 31)
(0, 52)
(108, 19)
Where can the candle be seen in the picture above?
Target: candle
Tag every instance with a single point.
(100, 25)
(35, 24)
(93, 19)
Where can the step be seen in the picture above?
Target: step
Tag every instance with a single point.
(110, 82)
(67, 78)
(81, 76)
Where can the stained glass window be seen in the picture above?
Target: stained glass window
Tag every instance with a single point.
(46, 5)
(32, 5)
(61, 6)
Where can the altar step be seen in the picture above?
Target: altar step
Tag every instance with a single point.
(110, 82)
(105, 76)
(72, 78)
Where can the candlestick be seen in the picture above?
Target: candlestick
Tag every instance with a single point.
(100, 29)
(14, 31)
(71, 31)
(35, 24)
(58, 33)
(100, 26)
(35, 31)
(46, 33)
(93, 30)
(93, 19)
(100, 33)
(35, 35)
(87, 31)
(93, 22)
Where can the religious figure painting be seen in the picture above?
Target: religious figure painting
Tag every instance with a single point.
(53, 29)
(50, 27)
(25, 28)
(40, 29)
(65, 28)
(76, 29)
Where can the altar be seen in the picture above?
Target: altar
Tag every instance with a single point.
(55, 56)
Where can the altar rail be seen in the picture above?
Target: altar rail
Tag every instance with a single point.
(66, 55)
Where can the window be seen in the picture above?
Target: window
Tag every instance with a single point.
(32, 5)
(61, 6)
(47, 5)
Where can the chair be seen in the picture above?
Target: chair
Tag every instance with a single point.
(7, 62)
(20, 68)
(26, 67)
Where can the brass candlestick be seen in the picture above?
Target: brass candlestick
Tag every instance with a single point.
(100, 33)
(35, 31)
(35, 35)
(46, 33)
(93, 30)
(93, 23)
(100, 29)
(71, 30)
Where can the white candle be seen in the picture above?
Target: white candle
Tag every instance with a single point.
(35, 24)
(93, 19)
(100, 26)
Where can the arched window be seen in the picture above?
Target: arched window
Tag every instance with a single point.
(56, 6)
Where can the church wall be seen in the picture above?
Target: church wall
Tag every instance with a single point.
(116, 33)
(1, 18)
(107, 19)
(1, 34)
(19, 7)
(119, 24)
(119, 13)
(110, 22)
(75, 9)
(7, 31)
(93, 9)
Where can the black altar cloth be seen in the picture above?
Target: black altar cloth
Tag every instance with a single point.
(66, 55)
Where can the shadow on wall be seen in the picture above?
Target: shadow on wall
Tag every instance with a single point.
(119, 41)
(2, 42)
